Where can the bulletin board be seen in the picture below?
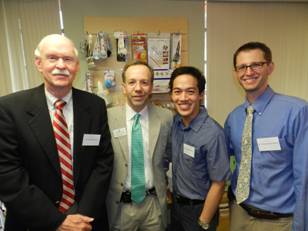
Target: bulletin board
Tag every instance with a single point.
(132, 25)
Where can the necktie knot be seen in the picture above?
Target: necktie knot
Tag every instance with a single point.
(59, 104)
(136, 119)
(250, 110)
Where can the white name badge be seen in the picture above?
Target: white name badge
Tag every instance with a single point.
(119, 132)
(91, 139)
(268, 144)
(189, 150)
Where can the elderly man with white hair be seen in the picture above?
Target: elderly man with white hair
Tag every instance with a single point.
(56, 155)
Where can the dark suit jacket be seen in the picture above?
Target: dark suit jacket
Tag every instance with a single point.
(30, 178)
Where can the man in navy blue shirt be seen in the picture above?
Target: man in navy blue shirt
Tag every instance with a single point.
(200, 163)
(277, 183)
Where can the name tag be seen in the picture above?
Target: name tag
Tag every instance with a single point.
(119, 132)
(189, 150)
(91, 139)
(268, 144)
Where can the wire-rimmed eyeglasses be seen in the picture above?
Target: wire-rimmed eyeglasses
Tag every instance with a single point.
(257, 66)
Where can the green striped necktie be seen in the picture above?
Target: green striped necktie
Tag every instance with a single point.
(137, 158)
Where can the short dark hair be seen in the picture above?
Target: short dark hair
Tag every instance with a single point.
(189, 70)
(135, 63)
(253, 46)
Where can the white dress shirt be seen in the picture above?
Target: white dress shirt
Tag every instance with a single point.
(144, 120)
(2, 217)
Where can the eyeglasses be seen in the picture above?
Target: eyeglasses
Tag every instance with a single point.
(257, 66)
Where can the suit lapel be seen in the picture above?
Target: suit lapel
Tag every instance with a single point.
(154, 128)
(82, 122)
(120, 121)
(40, 124)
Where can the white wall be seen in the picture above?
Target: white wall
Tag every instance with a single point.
(282, 26)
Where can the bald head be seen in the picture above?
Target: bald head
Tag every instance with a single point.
(53, 39)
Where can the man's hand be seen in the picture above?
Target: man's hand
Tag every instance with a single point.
(76, 222)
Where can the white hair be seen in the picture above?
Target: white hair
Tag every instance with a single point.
(37, 51)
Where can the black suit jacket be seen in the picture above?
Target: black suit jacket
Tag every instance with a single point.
(30, 178)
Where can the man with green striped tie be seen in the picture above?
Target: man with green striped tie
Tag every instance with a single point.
(137, 195)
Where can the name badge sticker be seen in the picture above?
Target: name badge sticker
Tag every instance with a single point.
(119, 132)
(268, 144)
(189, 150)
(91, 139)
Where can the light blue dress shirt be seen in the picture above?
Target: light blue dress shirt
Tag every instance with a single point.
(206, 158)
(278, 178)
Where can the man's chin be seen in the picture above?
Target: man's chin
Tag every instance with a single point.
(61, 85)
(250, 89)
(138, 103)
(182, 112)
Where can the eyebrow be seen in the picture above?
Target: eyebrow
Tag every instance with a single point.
(189, 88)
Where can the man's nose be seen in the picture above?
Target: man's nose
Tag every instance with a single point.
(138, 86)
(183, 95)
(60, 63)
(249, 70)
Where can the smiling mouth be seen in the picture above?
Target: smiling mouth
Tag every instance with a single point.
(249, 79)
(138, 97)
(63, 75)
(184, 106)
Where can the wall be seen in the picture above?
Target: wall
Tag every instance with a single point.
(74, 12)
(17, 69)
(282, 26)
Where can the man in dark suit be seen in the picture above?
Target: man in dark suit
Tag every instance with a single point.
(35, 178)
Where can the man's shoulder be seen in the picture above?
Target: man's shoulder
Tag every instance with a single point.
(235, 111)
(290, 101)
(21, 97)
(88, 100)
(115, 110)
(160, 109)
(162, 113)
(210, 124)
(116, 114)
(86, 96)
(210, 120)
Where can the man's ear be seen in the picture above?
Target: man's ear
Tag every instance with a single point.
(37, 63)
(123, 88)
(271, 67)
(201, 95)
(78, 65)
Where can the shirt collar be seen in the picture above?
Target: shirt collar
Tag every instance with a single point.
(262, 101)
(51, 99)
(196, 123)
(130, 113)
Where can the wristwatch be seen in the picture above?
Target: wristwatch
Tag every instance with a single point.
(203, 225)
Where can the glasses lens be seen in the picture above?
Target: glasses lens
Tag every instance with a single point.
(241, 69)
(254, 67)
